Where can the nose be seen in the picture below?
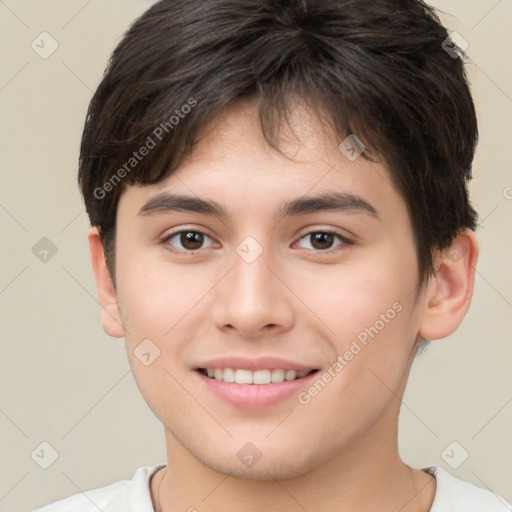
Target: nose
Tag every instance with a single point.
(252, 300)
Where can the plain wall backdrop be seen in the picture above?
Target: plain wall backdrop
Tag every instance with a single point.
(66, 383)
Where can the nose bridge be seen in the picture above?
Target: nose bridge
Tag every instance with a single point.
(252, 288)
(251, 276)
(251, 297)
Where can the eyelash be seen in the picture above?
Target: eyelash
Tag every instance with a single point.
(341, 237)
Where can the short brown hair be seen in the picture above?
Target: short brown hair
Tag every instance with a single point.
(377, 67)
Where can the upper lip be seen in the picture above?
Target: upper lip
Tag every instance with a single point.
(260, 363)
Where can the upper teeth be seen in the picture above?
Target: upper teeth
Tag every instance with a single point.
(257, 377)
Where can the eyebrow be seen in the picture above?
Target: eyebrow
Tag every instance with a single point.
(334, 201)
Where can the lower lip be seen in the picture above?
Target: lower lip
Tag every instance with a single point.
(255, 396)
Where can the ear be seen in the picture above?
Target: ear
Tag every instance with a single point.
(449, 293)
(110, 317)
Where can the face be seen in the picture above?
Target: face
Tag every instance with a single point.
(270, 286)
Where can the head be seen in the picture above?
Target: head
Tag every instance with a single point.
(261, 108)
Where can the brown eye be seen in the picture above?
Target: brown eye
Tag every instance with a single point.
(324, 240)
(191, 240)
(186, 241)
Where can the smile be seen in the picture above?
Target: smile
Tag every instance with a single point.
(243, 376)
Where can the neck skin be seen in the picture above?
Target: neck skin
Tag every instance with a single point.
(368, 475)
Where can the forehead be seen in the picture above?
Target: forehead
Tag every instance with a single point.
(233, 165)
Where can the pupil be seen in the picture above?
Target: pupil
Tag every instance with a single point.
(191, 240)
(325, 240)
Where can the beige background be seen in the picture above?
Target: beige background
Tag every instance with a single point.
(64, 382)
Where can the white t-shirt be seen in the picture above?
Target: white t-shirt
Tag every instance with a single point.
(452, 495)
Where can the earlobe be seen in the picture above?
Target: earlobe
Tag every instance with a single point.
(111, 319)
(449, 295)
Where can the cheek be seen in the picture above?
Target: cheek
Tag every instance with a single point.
(351, 299)
(157, 309)
(368, 310)
(156, 296)
(166, 305)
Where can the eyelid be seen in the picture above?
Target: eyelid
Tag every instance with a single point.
(343, 233)
(181, 228)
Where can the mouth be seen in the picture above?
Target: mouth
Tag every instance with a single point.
(256, 377)
(253, 383)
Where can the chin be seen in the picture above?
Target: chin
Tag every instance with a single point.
(267, 468)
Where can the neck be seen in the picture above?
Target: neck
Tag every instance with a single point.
(356, 480)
